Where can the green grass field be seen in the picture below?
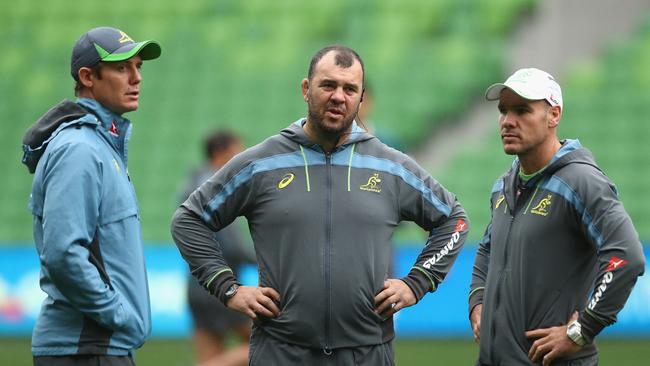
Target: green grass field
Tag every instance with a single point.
(15, 352)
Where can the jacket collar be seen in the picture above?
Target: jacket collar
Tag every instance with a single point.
(114, 128)
(296, 132)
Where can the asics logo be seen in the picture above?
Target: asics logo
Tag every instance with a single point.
(286, 180)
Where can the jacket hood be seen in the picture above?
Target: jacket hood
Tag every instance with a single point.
(116, 129)
(296, 133)
(62, 115)
(571, 152)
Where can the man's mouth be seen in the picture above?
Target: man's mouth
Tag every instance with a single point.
(335, 111)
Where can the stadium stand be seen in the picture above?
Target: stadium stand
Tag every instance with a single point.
(238, 65)
(607, 107)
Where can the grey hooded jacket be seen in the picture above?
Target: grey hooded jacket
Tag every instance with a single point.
(322, 226)
(561, 242)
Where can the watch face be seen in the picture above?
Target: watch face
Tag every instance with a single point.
(232, 290)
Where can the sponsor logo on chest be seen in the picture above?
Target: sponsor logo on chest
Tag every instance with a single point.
(543, 206)
(372, 185)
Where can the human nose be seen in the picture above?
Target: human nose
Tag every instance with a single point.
(507, 119)
(136, 76)
(338, 95)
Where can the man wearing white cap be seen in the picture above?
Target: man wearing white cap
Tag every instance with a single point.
(560, 255)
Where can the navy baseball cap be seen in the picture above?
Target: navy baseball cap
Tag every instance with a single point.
(108, 44)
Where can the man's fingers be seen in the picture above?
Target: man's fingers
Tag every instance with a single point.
(549, 358)
(537, 333)
(382, 296)
(537, 350)
(574, 317)
(268, 304)
(270, 292)
(388, 304)
(261, 310)
(251, 314)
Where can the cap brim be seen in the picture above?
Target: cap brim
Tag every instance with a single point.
(493, 92)
(148, 50)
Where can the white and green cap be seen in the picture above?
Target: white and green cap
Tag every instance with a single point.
(108, 44)
(530, 83)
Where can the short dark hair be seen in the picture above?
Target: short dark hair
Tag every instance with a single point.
(345, 57)
(97, 70)
(219, 141)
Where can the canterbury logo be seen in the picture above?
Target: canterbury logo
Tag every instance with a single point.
(124, 38)
(373, 184)
(614, 263)
(542, 206)
(286, 180)
(499, 201)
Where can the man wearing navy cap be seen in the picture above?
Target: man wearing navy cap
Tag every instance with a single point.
(86, 216)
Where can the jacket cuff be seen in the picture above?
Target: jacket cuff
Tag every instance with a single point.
(590, 326)
(419, 283)
(475, 298)
(221, 284)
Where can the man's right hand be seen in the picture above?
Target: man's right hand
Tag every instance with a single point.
(254, 301)
(475, 321)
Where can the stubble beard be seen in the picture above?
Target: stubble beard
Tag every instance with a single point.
(328, 130)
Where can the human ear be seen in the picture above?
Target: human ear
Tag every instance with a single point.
(304, 85)
(554, 114)
(85, 76)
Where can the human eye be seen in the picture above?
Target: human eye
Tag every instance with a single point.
(351, 89)
(327, 85)
(520, 110)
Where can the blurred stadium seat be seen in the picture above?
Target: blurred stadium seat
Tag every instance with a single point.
(239, 65)
(607, 107)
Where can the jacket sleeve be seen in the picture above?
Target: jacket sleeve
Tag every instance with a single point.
(436, 210)
(620, 255)
(480, 269)
(213, 206)
(72, 186)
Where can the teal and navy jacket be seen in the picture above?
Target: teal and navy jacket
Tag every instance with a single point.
(322, 225)
(87, 234)
(558, 243)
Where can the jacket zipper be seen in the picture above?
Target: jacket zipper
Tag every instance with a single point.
(327, 258)
(511, 213)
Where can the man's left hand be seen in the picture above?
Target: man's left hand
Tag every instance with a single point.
(395, 296)
(551, 343)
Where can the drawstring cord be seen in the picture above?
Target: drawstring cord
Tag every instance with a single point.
(304, 158)
(350, 164)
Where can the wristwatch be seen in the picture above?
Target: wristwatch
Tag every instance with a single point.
(574, 332)
(232, 290)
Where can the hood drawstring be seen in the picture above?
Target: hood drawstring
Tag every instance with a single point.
(350, 164)
(306, 162)
(304, 158)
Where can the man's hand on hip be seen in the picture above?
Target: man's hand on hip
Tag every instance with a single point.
(395, 296)
(254, 301)
(551, 343)
(475, 322)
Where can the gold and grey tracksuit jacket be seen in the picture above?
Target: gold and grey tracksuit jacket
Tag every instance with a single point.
(322, 225)
(559, 243)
